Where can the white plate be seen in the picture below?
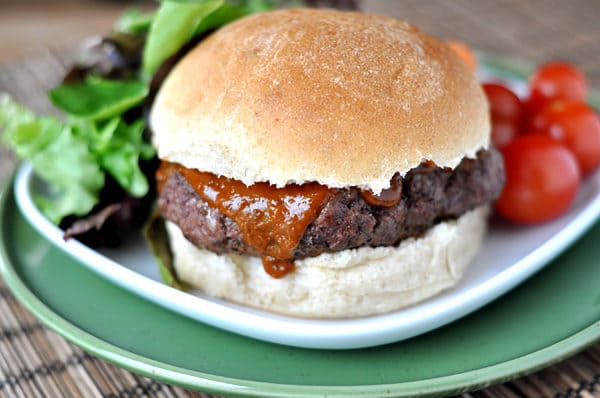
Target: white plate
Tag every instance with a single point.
(510, 254)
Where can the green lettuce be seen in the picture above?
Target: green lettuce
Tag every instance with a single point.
(96, 98)
(174, 25)
(134, 22)
(177, 22)
(118, 147)
(57, 155)
(155, 234)
(75, 155)
(122, 155)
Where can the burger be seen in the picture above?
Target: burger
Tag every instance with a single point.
(323, 164)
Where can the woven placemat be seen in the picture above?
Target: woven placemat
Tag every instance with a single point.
(36, 362)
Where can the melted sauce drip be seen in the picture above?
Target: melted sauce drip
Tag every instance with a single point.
(272, 220)
(276, 267)
(388, 197)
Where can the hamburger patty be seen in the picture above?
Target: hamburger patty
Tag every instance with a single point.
(429, 194)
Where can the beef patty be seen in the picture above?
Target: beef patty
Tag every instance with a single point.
(430, 194)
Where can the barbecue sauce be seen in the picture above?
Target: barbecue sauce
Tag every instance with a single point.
(272, 220)
(388, 197)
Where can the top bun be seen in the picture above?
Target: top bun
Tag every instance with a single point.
(341, 98)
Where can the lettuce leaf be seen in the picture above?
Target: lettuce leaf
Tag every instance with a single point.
(177, 21)
(73, 156)
(134, 22)
(120, 152)
(57, 155)
(96, 98)
(155, 234)
(174, 25)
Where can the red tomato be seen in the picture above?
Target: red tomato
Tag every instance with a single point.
(504, 104)
(575, 125)
(554, 81)
(503, 132)
(542, 178)
(530, 110)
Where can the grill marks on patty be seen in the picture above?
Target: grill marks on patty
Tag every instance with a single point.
(430, 194)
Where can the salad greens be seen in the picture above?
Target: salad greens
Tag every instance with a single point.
(97, 99)
(58, 155)
(178, 21)
(134, 22)
(174, 25)
(118, 148)
(103, 133)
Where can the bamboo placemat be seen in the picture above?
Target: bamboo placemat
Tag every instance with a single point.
(36, 362)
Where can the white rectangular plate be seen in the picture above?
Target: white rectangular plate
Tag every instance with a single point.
(510, 254)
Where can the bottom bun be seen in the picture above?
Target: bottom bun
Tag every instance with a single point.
(350, 283)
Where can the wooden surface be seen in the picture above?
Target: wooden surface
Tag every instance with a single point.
(36, 362)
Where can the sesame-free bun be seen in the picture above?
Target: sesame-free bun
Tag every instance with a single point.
(341, 98)
(351, 283)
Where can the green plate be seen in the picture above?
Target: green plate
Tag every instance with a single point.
(551, 316)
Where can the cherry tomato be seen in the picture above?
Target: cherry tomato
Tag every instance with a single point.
(503, 132)
(556, 81)
(530, 110)
(542, 178)
(463, 51)
(504, 104)
(575, 125)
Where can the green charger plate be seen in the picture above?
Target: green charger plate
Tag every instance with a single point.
(546, 319)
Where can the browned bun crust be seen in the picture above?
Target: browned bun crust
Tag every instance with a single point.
(344, 99)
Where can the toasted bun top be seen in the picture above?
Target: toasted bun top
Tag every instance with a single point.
(344, 99)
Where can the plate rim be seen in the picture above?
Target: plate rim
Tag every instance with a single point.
(189, 378)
